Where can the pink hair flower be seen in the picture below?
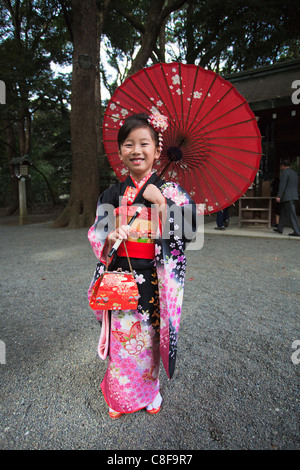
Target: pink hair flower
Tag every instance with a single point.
(158, 121)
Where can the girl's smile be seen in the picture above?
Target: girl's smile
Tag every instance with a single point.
(139, 152)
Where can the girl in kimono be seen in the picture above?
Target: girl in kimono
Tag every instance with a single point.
(155, 244)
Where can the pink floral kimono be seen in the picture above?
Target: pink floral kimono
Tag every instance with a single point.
(138, 338)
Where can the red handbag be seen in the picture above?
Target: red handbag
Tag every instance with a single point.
(115, 290)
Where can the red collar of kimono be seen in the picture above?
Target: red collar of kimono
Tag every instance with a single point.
(131, 192)
(142, 182)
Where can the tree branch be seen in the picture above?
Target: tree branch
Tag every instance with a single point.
(67, 17)
(131, 18)
(171, 6)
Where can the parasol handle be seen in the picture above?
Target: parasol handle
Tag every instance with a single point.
(118, 242)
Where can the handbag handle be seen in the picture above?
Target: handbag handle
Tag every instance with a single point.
(128, 257)
(106, 269)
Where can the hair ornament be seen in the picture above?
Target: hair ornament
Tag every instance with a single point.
(158, 121)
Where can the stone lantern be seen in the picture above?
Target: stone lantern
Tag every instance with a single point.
(21, 167)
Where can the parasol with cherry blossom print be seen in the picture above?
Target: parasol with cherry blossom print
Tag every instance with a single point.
(212, 146)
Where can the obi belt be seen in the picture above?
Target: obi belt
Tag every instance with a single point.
(143, 231)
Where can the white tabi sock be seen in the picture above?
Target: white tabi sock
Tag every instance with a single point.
(156, 402)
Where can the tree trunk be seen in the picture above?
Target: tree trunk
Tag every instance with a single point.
(162, 42)
(190, 51)
(103, 160)
(11, 153)
(152, 30)
(157, 15)
(81, 208)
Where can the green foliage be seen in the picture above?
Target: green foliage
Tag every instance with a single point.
(5, 183)
(119, 42)
(33, 36)
(237, 35)
(123, 37)
(51, 141)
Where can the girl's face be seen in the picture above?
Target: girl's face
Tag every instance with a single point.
(139, 152)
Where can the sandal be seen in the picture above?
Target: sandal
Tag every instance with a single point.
(153, 411)
(115, 414)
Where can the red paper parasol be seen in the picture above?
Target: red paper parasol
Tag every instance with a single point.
(212, 146)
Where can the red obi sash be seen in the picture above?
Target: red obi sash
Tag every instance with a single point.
(138, 250)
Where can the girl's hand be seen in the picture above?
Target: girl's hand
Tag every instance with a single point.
(153, 194)
(120, 233)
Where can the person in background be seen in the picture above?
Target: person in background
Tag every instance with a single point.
(287, 195)
(275, 204)
(222, 219)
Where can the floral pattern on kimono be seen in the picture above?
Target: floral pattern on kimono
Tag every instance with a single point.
(171, 268)
(131, 380)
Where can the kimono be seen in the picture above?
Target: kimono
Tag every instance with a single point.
(139, 338)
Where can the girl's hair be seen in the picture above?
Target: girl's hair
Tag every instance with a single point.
(136, 121)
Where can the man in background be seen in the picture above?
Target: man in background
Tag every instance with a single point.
(287, 195)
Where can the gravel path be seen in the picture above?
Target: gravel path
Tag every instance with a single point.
(235, 385)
